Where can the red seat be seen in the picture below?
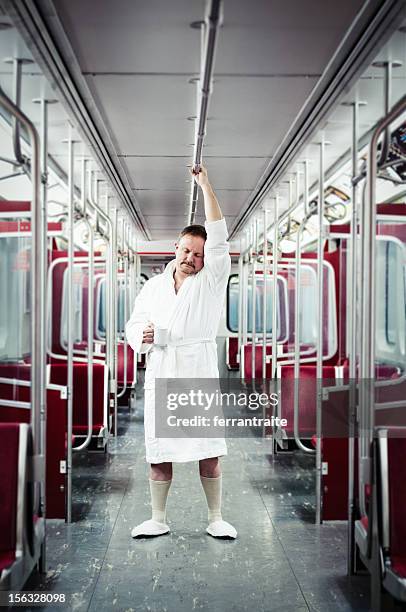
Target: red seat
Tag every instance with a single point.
(20, 535)
(232, 353)
(9, 462)
(15, 371)
(258, 361)
(399, 566)
(7, 559)
(59, 376)
(307, 397)
(397, 502)
(120, 365)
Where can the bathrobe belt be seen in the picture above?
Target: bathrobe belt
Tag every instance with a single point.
(184, 342)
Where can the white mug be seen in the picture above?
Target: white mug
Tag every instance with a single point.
(160, 336)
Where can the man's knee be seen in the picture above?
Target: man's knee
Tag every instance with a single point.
(210, 468)
(161, 471)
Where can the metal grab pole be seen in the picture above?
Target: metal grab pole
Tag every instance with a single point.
(43, 275)
(125, 261)
(275, 248)
(44, 263)
(113, 304)
(211, 34)
(90, 318)
(265, 295)
(38, 397)
(244, 323)
(298, 330)
(352, 348)
(110, 353)
(367, 356)
(320, 315)
(70, 329)
(240, 304)
(90, 327)
(18, 62)
(245, 277)
(306, 186)
(254, 298)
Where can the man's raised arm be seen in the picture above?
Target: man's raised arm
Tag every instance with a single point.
(211, 206)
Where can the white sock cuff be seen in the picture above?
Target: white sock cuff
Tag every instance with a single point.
(212, 489)
(159, 494)
(161, 482)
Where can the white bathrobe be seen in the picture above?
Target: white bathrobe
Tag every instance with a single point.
(193, 315)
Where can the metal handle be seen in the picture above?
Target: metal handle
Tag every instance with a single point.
(296, 375)
(367, 356)
(211, 35)
(38, 397)
(90, 329)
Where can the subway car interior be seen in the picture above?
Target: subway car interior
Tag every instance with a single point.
(298, 112)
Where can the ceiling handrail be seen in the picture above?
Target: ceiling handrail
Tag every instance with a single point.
(212, 23)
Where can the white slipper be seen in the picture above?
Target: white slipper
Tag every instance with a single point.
(222, 529)
(149, 528)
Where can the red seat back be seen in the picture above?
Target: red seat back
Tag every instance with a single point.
(397, 495)
(232, 352)
(59, 377)
(9, 447)
(120, 364)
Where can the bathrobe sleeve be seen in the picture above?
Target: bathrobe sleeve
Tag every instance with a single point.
(217, 262)
(139, 319)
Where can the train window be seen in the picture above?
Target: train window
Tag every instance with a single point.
(390, 300)
(390, 293)
(308, 302)
(78, 281)
(101, 310)
(308, 312)
(232, 305)
(101, 307)
(121, 306)
(15, 298)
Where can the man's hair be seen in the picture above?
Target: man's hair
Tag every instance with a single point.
(194, 230)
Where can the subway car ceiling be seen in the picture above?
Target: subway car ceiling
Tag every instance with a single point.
(132, 98)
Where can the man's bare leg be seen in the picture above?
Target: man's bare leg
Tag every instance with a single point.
(161, 471)
(159, 483)
(211, 479)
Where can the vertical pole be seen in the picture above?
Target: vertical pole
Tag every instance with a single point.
(274, 337)
(265, 294)
(245, 277)
(306, 186)
(43, 276)
(240, 302)
(367, 365)
(296, 383)
(320, 315)
(114, 286)
(70, 327)
(125, 259)
(275, 248)
(254, 291)
(352, 339)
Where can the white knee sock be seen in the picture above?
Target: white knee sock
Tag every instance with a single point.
(212, 489)
(159, 494)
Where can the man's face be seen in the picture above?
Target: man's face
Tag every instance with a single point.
(189, 254)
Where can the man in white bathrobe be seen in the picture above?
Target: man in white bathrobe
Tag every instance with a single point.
(186, 300)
